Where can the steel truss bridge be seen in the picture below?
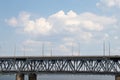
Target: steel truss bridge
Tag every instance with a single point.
(61, 64)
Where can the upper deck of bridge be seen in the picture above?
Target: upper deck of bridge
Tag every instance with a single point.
(60, 57)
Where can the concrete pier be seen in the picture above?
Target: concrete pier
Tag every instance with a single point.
(19, 76)
(32, 76)
(117, 77)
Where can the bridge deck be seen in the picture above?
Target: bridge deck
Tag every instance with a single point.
(61, 64)
(57, 57)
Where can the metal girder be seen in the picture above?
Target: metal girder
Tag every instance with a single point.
(61, 65)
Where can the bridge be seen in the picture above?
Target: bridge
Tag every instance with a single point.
(32, 65)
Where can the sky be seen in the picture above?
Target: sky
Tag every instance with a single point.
(59, 27)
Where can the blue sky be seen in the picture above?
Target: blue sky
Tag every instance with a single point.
(63, 27)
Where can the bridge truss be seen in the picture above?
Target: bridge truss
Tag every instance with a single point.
(95, 64)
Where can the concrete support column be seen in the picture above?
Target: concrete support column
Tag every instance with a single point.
(32, 76)
(117, 77)
(19, 76)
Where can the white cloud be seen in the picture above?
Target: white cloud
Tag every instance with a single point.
(68, 39)
(30, 26)
(87, 20)
(106, 36)
(13, 21)
(92, 26)
(39, 26)
(87, 36)
(109, 3)
(70, 24)
(116, 51)
(116, 37)
(30, 42)
(63, 48)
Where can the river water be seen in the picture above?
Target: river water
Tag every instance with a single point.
(62, 77)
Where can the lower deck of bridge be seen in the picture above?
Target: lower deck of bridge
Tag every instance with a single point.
(20, 76)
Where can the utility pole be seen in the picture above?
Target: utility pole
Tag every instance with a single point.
(42, 49)
(24, 51)
(0, 48)
(79, 50)
(72, 49)
(14, 51)
(104, 48)
(109, 48)
(51, 52)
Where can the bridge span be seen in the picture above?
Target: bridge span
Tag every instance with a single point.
(33, 65)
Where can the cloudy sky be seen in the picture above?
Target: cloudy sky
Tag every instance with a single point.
(59, 27)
